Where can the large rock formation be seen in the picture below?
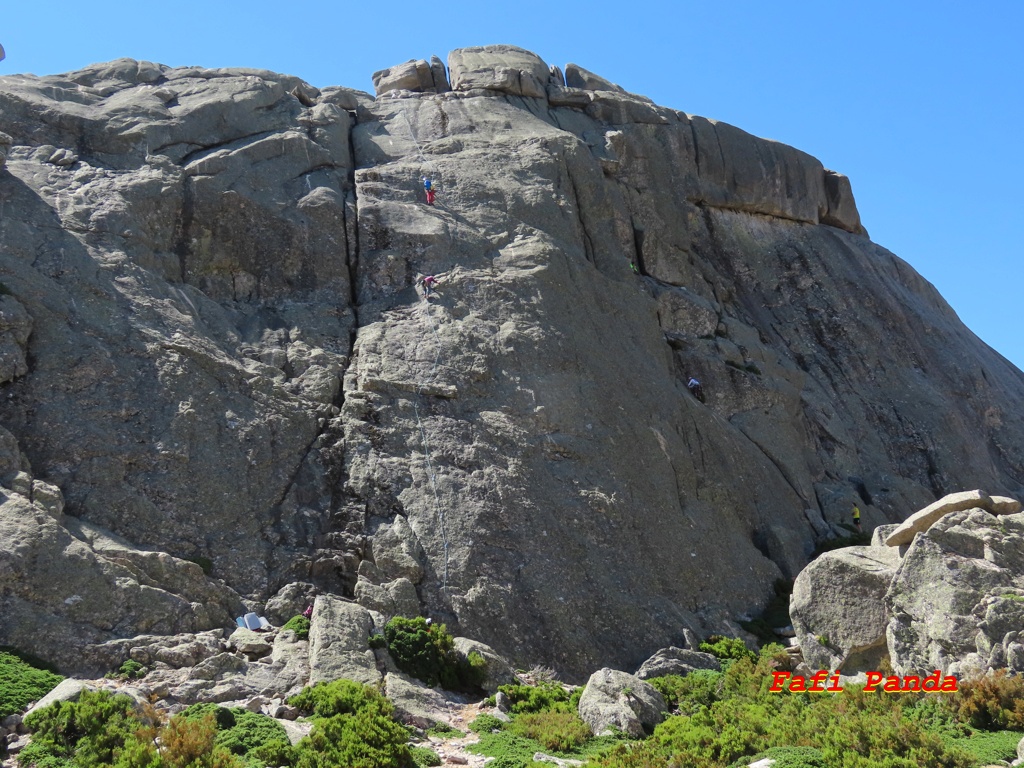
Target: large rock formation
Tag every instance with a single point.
(213, 349)
(952, 600)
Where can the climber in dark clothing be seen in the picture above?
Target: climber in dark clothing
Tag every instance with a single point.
(695, 389)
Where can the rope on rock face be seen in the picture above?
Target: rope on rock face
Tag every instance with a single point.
(419, 148)
(426, 453)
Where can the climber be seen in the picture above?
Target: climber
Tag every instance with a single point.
(428, 187)
(856, 518)
(633, 266)
(429, 284)
(308, 613)
(695, 389)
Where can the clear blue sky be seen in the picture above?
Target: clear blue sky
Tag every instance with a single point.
(921, 104)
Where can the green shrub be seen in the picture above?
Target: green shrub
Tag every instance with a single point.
(555, 731)
(424, 757)
(793, 757)
(22, 683)
(426, 651)
(543, 697)
(508, 749)
(378, 641)
(700, 688)
(340, 697)
(299, 625)
(443, 730)
(353, 727)
(485, 723)
(88, 731)
(727, 648)
(260, 739)
(130, 670)
(365, 739)
(988, 747)
(849, 729)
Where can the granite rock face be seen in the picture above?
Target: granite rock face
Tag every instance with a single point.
(214, 352)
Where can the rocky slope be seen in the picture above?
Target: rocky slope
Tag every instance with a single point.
(221, 382)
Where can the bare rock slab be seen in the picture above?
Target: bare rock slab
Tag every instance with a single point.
(339, 642)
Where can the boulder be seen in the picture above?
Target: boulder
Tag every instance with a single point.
(499, 672)
(413, 75)
(1004, 505)
(924, 518)
(290, 601)
(840, 209)
(339, 642)
(66, 690)
(676, 661)
(578, 77)
(393, 598)
(504, 68)
(614, 698)
(838, 608)
(415, 703)
(954, 599)
(252, 644)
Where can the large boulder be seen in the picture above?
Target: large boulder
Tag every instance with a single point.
(838, 608)
(953, 601)
(504, 68)
(339, 642)
(923, 519)
(618, 699)
(676, 661)
(497, 670)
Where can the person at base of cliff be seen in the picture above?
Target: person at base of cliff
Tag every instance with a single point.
(428, 187)
(856, 518)
(695, 388)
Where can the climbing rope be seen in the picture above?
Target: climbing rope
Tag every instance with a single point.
(419, 148)
(439, 511)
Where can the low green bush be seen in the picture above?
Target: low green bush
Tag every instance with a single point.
(427, 652)
(485, 723)
(443, 730)
(299, 625)
(544, 697)
(424, 757)
(851, 729)
(555, 731)
(353, 726)
(22, 683)
(988, 747)
(87, 732)
(700, 688)
(130, 670)
(727, 648)
(790, 757)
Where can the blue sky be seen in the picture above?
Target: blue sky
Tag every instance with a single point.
(920, 103)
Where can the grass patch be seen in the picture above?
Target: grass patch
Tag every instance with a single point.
(547, 696)
(444, 731)
(21, 683)
(988, 747)
(299, 625)
(424, 757)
